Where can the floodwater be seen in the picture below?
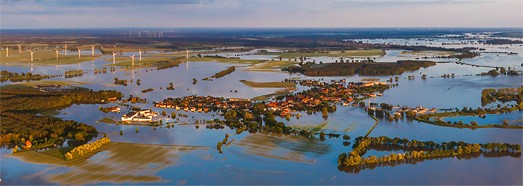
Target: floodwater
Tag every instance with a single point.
(185, 154)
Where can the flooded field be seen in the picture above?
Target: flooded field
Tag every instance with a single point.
(186, 151)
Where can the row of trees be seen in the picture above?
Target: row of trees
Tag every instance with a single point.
(15, 77)
(85, 149)
(417, 150)
(73, 73)
(120, 81)
(24, 98)
(222, 73)
(19, 127)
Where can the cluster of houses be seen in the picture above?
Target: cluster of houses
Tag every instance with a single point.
(312, 99)
(419, 110)
(203, 103)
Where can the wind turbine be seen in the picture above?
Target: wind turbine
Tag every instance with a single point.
(114, 58)
(92, 50)
(31, 55)
(56, 51)
(79, 54)
(7, 51)
(187, 57)
(140, 52)
(132, 60)
(65, 49)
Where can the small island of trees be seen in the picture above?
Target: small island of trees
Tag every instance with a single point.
(417, 151)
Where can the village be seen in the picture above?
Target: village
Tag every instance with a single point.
(319, 95)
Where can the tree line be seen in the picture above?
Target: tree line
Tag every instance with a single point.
(85, 149)
(417, 151)
(19, 124)
(366, 69)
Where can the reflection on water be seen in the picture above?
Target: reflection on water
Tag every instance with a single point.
(116, 163)
(288, 148)
(512, 118)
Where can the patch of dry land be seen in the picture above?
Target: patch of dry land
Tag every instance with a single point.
(225, 60)
(272, 65)
(428, 53)
(160, 62)
(115, 163)
(333, 53)
(181, 53)
(289, 148)
(275, 84)
(52, 82)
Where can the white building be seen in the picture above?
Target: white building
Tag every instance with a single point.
(140, 116)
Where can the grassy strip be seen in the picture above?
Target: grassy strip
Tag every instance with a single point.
(429, 53)
(181, 54)
(272, 65)
(224, 60)
(43, 58)
(268, 84)
(469, 126)
(51, 82)
(374, 126)
(147, 62)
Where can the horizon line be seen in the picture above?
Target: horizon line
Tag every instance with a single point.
(211, 27)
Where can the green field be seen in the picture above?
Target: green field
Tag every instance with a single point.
(268, 84)
(52, 82)
(336, 53)
(146, 61)
(42, 58)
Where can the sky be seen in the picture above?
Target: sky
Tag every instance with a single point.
(17, 14)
